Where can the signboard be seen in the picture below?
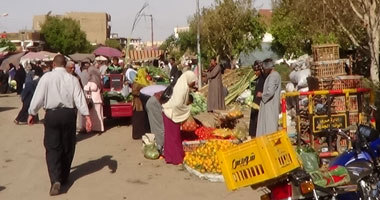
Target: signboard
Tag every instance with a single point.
(323, 122)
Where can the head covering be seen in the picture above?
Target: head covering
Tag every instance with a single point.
(176, 108)
(257, 65)
(141, 77)
(94, 76)
(268, 64)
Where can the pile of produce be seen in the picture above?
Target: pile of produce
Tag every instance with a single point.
(236, 81)
(158, 74)
(189, 125)
(199, 104)
(204, 159)
(236, 89)
(114, 97)
(205, 133)
(234, 114)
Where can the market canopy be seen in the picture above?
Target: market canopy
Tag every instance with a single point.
(107, 52)
(41, 55)
(13, 59)
(144, 55)
(82, 57)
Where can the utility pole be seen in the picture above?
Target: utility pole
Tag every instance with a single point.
(199, 48)
(151, 26)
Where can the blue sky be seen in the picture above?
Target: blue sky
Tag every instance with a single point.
(167, 14)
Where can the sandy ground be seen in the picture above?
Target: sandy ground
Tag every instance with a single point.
(106, 166)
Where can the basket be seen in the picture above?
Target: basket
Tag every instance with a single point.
(328, 69)
(258, 160)
(337, 83)
(325, 52)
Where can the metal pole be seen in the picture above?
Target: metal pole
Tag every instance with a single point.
(199, 48)
(151, 26)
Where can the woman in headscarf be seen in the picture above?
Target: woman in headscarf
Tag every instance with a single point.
(93, 89)
(176, 110)
(26, 98)
(140, 122)
(20, 78)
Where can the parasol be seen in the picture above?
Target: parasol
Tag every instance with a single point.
(82, 57)
(108, 52)
(41, 55)
(14, 59)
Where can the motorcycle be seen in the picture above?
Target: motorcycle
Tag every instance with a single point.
(361, 161)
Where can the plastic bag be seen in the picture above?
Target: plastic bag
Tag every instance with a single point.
(125, 90)
(150, 151)
(336, 176)
(309, 158)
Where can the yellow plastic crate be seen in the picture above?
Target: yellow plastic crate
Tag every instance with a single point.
(258, 160)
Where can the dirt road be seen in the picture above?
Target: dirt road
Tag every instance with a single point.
(106, 166)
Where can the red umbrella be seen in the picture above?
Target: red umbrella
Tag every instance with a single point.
(108, 52)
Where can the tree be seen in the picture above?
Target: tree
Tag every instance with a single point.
(113, 44)
(229, 28)
(7, 43)
(367, 12)
(352, 24)
(64, 36)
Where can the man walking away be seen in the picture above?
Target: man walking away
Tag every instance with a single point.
(270, 100)
(58, 92)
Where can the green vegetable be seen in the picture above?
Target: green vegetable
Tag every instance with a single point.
(199, 104)
(239, 87)
(156, 71)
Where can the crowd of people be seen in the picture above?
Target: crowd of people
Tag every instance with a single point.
(71, 94)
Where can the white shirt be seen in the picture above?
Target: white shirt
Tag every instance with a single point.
(103, 69)
(58, 89)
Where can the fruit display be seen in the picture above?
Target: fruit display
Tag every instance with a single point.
(205, 133)
(235, 114)
(204, 159)
(189, 126)
(223, 133)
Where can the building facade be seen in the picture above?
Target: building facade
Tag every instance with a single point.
(95, 25)
(25, 40)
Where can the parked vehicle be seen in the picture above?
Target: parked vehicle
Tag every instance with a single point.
(361, 161)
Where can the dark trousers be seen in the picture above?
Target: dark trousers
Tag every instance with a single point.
(253, 122)
(59, 142)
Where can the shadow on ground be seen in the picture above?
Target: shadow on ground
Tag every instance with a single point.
(88, 168)
(2, 188)
(114, 122)
(108, 124)
(2, 109)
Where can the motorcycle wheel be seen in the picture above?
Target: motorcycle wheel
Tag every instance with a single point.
(364, 190)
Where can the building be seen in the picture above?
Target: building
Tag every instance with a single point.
(266, 16)
(26, 40)
(178, 30)
(95, 25)
(135, 43)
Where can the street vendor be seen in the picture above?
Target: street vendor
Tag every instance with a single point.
(259, 86)
(270, 100)
(115, 68)
(176, 111)
(140, 122)
(215, 97)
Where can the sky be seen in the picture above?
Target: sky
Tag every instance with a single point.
(167, 14)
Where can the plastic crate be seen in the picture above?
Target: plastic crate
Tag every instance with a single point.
(261, 159)
(325, 52)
